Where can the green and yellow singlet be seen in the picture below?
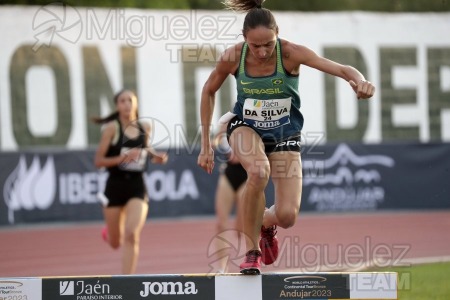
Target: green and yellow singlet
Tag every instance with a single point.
(270, 104)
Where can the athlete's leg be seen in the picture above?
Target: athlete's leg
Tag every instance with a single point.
(249, 149)
(240, 209)
(286, 174)
(225, 198)
(136, 214)
(114, 219)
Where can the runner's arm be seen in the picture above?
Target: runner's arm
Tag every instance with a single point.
(100, 155)
(156, 156)
(226, 65)
(363, 89)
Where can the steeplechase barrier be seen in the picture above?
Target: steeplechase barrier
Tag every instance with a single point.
(342, 285)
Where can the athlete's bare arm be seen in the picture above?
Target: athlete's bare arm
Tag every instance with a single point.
(100, 156)
(227, 64)
(157, 157)
(295, 55)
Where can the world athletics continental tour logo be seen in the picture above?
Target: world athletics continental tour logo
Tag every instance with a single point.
(56, 19)
(30, 187)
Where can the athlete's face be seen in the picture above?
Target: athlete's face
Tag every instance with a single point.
(127, 105)
(261, 42)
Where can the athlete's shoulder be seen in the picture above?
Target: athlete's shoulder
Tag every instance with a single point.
(293, 51)
(110, 126)
(145, 125)
(110, 129)
(290, 47)
(232, 54)
(229, 60)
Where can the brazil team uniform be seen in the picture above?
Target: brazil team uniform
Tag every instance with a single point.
(126, 181)
(270, 105)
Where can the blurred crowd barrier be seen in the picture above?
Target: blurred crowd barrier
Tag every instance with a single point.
(63, 186)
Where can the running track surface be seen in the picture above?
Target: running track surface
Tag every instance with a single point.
(339, 242)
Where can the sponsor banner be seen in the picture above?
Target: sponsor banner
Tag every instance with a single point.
(361, 177)
(21, 289)
(129, 287)
(361, 285)
(305, 286)
(64, 185)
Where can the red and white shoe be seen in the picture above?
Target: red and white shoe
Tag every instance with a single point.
(252, 263)
(268, 244)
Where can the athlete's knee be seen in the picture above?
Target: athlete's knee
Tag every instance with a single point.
(286, 217)
(115, 243)
(258, 174)
(131, 237)
(221, 226)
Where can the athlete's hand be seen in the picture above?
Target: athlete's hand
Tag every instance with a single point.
(206, 159)
(131, 155)
(364, 89)
(160, 158)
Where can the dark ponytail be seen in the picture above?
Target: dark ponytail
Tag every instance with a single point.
(112, 116)
(256, 14)
(243, 5)
(109, 118)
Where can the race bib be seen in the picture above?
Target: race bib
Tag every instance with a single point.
(135, 165)
(267, 114)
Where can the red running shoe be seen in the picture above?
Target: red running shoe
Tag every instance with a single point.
(105, 234)
(268, 244)
(252, 263)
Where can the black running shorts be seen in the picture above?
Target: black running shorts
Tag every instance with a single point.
(292, 143)
(121, 188)
(236, 175)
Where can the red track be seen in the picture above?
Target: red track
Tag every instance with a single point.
(181, 246)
